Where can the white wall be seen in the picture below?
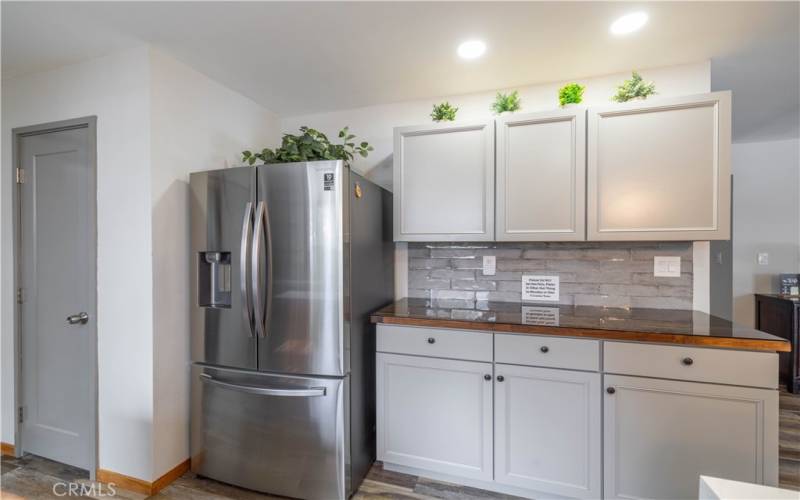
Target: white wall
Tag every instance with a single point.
(157, 120)
(197, 124)
(766, 218)
(116, 90)
(374, 124)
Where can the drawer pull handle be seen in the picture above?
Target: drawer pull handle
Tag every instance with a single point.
(544, 349)
(431, 340)
(487, 377)
(687, 361)
(500, 378)
(611, 390)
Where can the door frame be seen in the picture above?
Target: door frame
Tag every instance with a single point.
(90, 123)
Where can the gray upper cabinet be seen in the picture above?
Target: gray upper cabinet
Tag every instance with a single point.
(541, 176)
(444, 182)
(660, 169)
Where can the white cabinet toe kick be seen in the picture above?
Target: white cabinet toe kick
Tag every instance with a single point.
(539, 415)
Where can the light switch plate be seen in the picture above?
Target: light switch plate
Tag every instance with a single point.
(763, 259)
(667, 267)
(489, 265)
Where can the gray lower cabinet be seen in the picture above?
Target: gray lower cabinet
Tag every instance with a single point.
(435, 414)
(548, 430)
(545, 416)
(444, 182)
(541, 176)
(660, 435)
(660, 169)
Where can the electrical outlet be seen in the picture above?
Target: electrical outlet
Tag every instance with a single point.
(489, 265)
(667, 267)
(763, 259)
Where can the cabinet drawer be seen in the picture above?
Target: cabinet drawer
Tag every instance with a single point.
(436, 342)
(721, 366)
(547, 351)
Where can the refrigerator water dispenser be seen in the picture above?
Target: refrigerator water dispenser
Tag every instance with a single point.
(214, 279)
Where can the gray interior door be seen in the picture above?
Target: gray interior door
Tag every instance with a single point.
(222, 209)
(57, 276)
(299, 240)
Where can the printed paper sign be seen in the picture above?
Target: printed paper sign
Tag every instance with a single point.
(540, 288)
(542, 316)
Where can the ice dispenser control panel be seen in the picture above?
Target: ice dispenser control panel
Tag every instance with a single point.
(214, 279)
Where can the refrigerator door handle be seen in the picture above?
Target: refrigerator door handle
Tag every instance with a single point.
(264, 391)
(258, 309)
(261, 304)
(247, 235)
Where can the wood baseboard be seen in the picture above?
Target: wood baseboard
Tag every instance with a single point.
(171, 475)
(140, 485)
(7, 449)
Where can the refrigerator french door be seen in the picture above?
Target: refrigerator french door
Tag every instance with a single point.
(277, 405)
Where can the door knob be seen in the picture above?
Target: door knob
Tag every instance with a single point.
(81, 318)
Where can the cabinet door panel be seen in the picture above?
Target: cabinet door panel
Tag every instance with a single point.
(435, 414)
(660, 169)
(661, 435)
(547, 428)
(444, 182)
(541, 176)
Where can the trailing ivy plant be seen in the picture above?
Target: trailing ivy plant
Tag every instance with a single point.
(635, 88)
(310, 145)
(506, 102)
(571, 93)
(443, 112)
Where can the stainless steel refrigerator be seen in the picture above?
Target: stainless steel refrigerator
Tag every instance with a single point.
(289, 261)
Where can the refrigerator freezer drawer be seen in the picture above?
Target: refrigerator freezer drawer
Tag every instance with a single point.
(277, 434)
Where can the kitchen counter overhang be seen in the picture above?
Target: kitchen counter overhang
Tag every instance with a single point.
(662, 326)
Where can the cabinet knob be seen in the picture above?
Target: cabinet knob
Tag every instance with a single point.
(544, 348)
(431, 340)
(687, 361)
(611, 390)
(487, 377)
(500, 378)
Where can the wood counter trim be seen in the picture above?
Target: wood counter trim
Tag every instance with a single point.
(140, 485)
(656, 338)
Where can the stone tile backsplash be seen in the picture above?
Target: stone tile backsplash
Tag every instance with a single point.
(612, 274)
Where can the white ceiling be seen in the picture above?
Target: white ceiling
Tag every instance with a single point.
(299, 57)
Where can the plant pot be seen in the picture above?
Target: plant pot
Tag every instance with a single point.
(570, 105)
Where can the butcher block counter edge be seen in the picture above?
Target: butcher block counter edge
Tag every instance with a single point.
(773, 344)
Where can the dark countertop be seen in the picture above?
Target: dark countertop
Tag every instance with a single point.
(666, 326)
(778, 296)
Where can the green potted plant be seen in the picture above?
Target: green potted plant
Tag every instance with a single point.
(506, 103)
(571, 93)
(635, 88)
(310, 145)
(443, 112)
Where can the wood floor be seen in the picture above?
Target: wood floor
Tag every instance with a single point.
(33, 477)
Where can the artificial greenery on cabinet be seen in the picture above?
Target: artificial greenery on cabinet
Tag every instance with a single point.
(634, 88)
(443, 112)
(571, 93)
(506, 103)
(310, 145)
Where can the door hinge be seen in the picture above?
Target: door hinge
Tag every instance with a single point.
(21, 415)
(20, 176)
(20, 298)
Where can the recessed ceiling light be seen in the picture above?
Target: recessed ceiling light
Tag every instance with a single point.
(629, 23)
(471, 49)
